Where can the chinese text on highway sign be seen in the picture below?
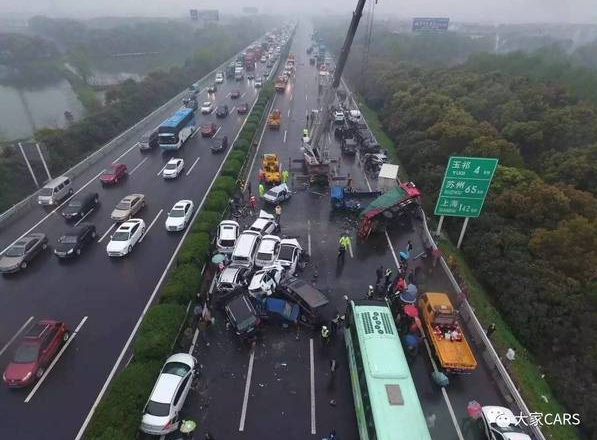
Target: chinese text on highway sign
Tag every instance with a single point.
(465, 186)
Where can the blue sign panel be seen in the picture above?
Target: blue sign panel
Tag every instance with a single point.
(430, 24)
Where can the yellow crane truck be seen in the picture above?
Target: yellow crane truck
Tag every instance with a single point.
(273, 122)
(441, 324)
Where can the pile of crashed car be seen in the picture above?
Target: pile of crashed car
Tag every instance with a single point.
(258, 281)
(354, 134)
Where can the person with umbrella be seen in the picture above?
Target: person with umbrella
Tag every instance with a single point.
(187, 427)
(412, 344)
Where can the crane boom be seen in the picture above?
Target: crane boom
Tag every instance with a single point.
(320, 154)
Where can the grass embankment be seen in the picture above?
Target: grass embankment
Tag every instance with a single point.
(524, 371)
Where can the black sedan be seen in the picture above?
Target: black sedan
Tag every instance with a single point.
(80, 206)
(212, 88)
(73, 241)
(221, 111)
(235, 94)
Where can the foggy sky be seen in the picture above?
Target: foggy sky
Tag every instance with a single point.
(489, 11)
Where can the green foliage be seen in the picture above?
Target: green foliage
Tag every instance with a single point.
(218, 200)
(207, 221)
(242, 144)
(227, 183)
(158, 330)
(194, 249)
(231, 168)
(118, 414)
(238, 155)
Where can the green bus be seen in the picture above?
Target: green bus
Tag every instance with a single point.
(385, 399)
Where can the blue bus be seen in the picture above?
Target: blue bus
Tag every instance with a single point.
(175, 130)
(385, 399)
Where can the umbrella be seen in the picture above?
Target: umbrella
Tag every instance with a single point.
(404, 255)
(187, 426)
(412, 289)
(440, 378)
(410, 310)
(408, 297)
(411, 340)
(474, 409)
(218, 258)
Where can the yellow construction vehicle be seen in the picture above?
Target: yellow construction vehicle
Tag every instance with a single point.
(273, 122)
(270, 169)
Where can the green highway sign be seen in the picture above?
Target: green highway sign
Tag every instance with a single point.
(465, 185)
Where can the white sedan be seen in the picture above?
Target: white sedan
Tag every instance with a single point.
(267, 251)
(265, 224)
(207, 107)
(173, 168)
(219, 78)
(265, 281)
(289, 255)
(126, 237)
(180, 215)
(499, 423)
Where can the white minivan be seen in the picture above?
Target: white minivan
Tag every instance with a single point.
(245, 249)
(55, 191)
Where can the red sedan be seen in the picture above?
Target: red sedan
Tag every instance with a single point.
(36, 351)
(115, 173)
(243, 108)
(209, 130)
(235, 94)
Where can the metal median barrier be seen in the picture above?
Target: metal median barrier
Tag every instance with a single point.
(20, 208)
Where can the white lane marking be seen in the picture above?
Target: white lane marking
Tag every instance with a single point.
(260, 138)
(137, 166)
(288, 112)
(217, 131)
(228, 95)
(195, 336)
(431, 357)
(162, 170)
(312, 380)
(193, 166)
(16, 335)
(107, 232)
(152, 297)
(285, 133)
(58, 356)
(123, 154)
(243, 414)
(242, 96)
(291, 96)
(309, 236)
(151, 225)
(233, 108)
(83, 218)
(306, 97)
(350, 250)
(329, 138)
(66, 200)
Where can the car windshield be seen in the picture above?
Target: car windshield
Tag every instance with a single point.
(206, 104)
(120, 236)
(177, 213)
(157, 409)
(272, 193)
(69, 239)
(171, 166)
(123, 205)
(15, 251)
(246, 323)
(286, 253)
(75, 204)
(264, 256)
(227, 243)
(26, 354)
(176, 368)
(506, 429)
(46, 192)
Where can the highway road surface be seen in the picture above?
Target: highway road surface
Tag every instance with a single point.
(101, 298)
(281, 388)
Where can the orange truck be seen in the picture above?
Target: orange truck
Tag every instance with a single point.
(274, 119)
(280, 84)
(441, 324)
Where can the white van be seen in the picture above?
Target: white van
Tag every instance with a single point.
(245, 249)
(55, 191)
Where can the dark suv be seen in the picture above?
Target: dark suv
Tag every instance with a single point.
(242, 316)
(149, 141)
(316, 308)
(73, 241)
